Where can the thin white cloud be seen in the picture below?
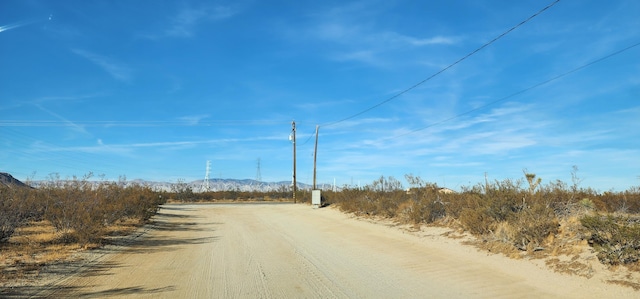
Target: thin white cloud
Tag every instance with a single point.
(314, 106)
(102, 147)
(395, 39)
(72, 98)
(10, 26)
(365, 56)
(359, 122)
(117, 70)
(193, 120)
(74, 126)
(368, 45)
(17, 25)
(352, 33)
(186, 21)
(436, 40)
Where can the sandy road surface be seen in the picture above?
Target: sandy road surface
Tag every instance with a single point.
(294, 251)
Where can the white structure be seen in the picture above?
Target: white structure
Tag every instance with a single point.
(316, 199)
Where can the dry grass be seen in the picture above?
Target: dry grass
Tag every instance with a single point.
(123, 227)
(38, 244)
(626, 283)
(551, 222)
(495, 246)
(572, 266)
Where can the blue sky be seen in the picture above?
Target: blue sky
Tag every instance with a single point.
(154, 89)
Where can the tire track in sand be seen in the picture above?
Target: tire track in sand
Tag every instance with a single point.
(294, 251)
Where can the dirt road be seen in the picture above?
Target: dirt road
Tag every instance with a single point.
(294, 251)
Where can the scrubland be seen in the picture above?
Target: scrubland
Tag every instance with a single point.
(519, 218)
(47, 224)
(524, 218)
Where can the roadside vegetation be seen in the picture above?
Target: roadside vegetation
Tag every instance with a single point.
(183, 193)
(46, 224)
(520, 218)
(523, 217)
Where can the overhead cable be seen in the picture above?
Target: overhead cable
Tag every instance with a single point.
(521, 91)
(442, 70)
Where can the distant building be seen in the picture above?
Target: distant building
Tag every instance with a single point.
(439, 189)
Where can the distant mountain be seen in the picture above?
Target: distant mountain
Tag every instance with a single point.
(8, 180)
(245, 185)
(228, 185)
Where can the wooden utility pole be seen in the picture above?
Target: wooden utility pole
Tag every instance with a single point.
(315, 156)
(295, 186)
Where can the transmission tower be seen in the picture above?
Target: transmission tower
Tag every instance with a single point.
(258, 174)
(206, 187)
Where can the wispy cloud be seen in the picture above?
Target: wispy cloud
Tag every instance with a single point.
(193, 120)
(74, 126)
(127, 148)
(70, 98)
(117, 70)
(186, 21)
(436, 40)
(17, 25)
(395, 39)
(365, 56)
(360, 39)
(314, 106)
(359, 122)
(352, 34)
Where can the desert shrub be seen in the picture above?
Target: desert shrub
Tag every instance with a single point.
(615, 239)
(146, 202)
(556, 196)
(619, 202)
(504, 198)
(74, 209)
(80, 210)
(507, 212)
(429, 210)
(10, 217)
(406, 212)
(386, 203)
(524, 217)
(532, 225)
(587, 204)
(139, 202)
(77, 208)
(481, 208)
(477, 221)
(382, 198)
(182, 191)
(353, 200)
(18, 205)
(470, 198)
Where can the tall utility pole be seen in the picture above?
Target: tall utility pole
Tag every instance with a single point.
(293, 139)
(205, 185)
(258, 174)
(315, 156)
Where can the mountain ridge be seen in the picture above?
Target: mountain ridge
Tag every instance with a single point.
(215, 184)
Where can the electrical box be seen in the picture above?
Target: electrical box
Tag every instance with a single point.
(316, 198)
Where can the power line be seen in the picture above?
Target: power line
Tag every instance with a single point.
(521, 91)
(305, 142)
(444, 69)
(147, 123)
